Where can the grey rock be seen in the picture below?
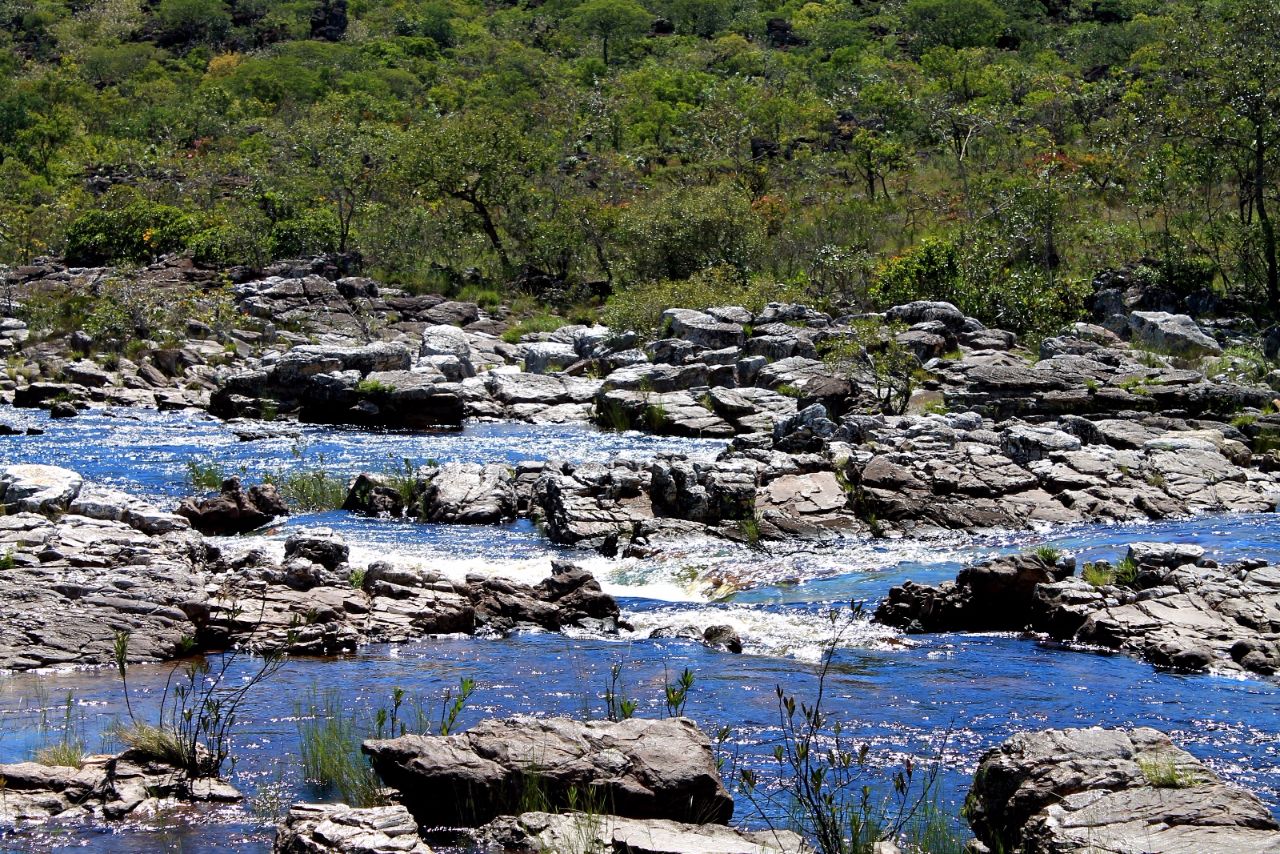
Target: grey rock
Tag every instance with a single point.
(38, 489)
(537, 832)
(340, 829)
(642, 768)
(1176, 334)
(1100, 790)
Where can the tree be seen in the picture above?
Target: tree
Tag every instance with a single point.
(1221, 91)
(611, 21)
(955, 23)
(343, 152)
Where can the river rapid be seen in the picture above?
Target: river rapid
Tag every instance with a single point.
(958, 694)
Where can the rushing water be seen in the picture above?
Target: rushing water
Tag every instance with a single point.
(900, 695)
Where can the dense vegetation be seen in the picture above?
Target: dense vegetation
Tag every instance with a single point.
(997, 153)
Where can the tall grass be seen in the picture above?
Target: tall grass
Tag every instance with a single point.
(330, 751)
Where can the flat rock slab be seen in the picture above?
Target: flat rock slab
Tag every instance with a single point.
(340, 829)
(537, 832)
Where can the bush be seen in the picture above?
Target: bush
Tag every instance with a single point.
(312, 232)
(690, 230)
(639, 307)
(138, 232)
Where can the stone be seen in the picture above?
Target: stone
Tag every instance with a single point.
(542, 357)
(317, 545)
(340, 829)
(465, 493)
(48, 490)
(1175, 334)
(538, 832)
(923, 311)
(1109, 790)
(571, 596)
(642, 768)
(235, 510)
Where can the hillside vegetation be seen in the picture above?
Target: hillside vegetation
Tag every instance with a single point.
(994, 153)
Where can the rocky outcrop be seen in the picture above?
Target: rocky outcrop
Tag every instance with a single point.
(571, 596)
(38, 489)
(1165, 603)
(638, 768)
(537, 832)
(103, 787)
(996, 595)
(340, 829)
(1102, 790)
(235, 510)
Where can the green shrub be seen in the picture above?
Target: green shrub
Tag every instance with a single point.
(531, 325)
(1048, 554)
(137, 232)
(639, 307)
(1098, 574)
(678, 234)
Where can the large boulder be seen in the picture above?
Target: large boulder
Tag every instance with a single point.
(465, 493)
(1101, 790)
(1175, 334)
(641, 768)
(48, 490)
(235, 510)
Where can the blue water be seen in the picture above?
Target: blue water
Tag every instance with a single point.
(899, 695)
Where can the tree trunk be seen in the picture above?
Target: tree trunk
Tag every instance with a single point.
(1264, 220)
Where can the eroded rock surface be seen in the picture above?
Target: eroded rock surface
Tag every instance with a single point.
(1110, 791)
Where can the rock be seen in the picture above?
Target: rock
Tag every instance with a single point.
(318, 545)
(1175, 334)
(48, 490)
(234, 510)
(95, 502)
(641, 768)
(571, 596)
(701, 329)
(995, 595)
(1173, 609)
(723, 637)
(340, 829)
(542, 357)
(465, 493)
(538, 832)
(374, 495)
(922, 311)
(63, 409)
(105, 787)
(1023, 443)
(1109, 790)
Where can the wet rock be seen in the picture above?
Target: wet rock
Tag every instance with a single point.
(317, 545)
(723, 637)
(571, 596)
(537, 832)
(465, 493)
(996, 595)
(374, 495)
(340, 829)
(234, 510)
(1173, 608)
(63, 409)
(641, 768)
(1109, 790)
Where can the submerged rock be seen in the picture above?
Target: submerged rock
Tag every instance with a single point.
(1102, 790)
(639, 768)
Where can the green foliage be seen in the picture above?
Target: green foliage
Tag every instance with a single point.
(533, 325)
(639, 307)
(373, 387)
(139, 231)
(1165, 774)
(954, 23)
(1048, 554)
(871, 354)
(330, 738)
(1098, 574)
(204, 474)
